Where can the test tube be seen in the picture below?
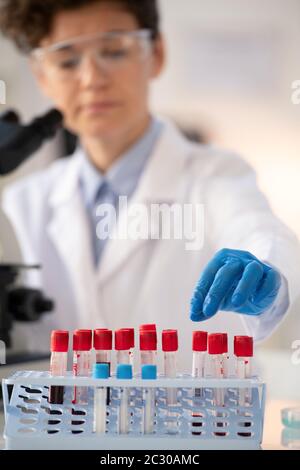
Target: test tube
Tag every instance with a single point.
(199, 354)
(148, 346)
(130, 332)
(103, 347)
(58, 363)
(100, 371)
(170, 348)
(123, 345)
(215, 351)
(124, 372)
(149, 372)
(147, 327)
(243, 350)
(82, 344)
(225, 356)
(199, 347)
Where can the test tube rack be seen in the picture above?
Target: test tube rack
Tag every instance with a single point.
(194, 423)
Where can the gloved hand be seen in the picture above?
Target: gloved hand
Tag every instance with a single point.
(234, 281)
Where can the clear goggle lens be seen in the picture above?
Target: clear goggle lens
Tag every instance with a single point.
(109, 51)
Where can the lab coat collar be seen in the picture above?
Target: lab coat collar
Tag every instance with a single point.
(162, 176)
(159, 180)
(124, 174)
(67, 186)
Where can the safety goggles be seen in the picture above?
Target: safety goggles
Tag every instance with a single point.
(110, 51)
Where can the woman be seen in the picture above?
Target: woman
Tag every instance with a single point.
(96, 60)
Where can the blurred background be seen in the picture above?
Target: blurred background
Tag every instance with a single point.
(231, 64)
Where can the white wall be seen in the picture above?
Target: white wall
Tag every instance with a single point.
(241, 92)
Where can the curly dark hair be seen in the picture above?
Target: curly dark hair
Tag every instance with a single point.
(27, 22)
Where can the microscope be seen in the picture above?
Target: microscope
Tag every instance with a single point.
(17, 143)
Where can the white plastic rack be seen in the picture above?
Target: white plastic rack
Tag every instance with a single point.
(194, 423)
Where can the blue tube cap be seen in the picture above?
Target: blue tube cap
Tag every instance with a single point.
(149, 372)
(100, 371)
(124, 371)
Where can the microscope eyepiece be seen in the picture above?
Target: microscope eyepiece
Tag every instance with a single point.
(18, 142)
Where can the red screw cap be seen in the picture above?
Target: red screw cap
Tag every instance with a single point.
(103, 339)
(148, 340)
(170, 340)
(82, 340)
(216, 343)
(131, 332)
(199, 341)
(59, 341)
(148, 327)
(243, 346)
(225, 342)
(123, 340)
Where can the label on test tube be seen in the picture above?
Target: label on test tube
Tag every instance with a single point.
(123, 345)
(149, 372)
(58, 363)
(100, 371)
(124, 372)
(82, 344)
(103, 348)
(170, 348)
(148, 346)
(215, 351)
(199, 354)
(243, 350)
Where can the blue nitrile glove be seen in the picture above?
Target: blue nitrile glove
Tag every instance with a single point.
(234, 281)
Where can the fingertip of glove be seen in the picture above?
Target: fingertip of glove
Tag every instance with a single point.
(196, 317)
(237, 300)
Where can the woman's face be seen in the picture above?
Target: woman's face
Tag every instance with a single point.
(97, 101)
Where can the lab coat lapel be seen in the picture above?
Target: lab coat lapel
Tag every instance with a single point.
(160, 183)
(70, 233)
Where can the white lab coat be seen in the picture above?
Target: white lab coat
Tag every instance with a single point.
(145, 281)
